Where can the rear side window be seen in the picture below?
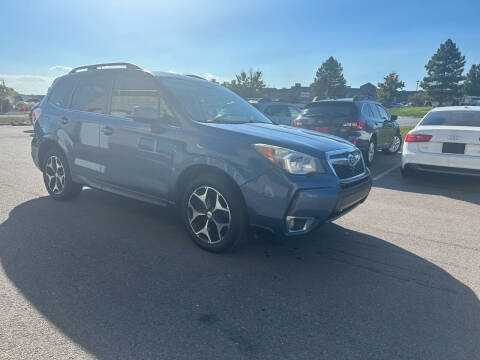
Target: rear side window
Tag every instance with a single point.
(453, 118)
(383, 112)
(61, 93)
(134, 89)
(374, 111)
(294, 112)
(367, 111)
(91, 95)
(277, 110)
(331, 110)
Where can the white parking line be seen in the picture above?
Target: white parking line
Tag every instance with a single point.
(386, 172)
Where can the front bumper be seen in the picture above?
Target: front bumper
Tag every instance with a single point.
(273, 198)
(35, 147)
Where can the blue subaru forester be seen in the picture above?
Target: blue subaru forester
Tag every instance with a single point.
(173, 139)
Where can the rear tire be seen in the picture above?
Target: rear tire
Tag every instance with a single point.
(369, 154)
(57, 177)
(395, 145)
(213, 213)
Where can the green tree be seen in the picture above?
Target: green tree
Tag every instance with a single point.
(472, 81)
(388, 90)
(419, 98)
(329, 81)
(444, 73)
(247, 85)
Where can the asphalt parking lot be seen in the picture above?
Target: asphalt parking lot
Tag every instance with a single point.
(113, 278)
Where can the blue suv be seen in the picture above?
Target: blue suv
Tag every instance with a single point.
(179, 140)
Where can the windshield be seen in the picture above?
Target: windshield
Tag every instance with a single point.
(453, 118)
(330, 110)
(206, 102)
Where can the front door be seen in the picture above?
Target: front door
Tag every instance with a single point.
(137, 158)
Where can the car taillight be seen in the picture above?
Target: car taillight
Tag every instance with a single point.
(36, 114)
(354, 125)
(418, 137)
(297, 122)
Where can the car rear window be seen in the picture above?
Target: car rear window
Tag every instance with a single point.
(453, 118)
(330, 110)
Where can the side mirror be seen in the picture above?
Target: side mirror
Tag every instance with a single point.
(394, 117)
(144, 114)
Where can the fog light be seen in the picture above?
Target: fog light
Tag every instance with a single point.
(295, 223)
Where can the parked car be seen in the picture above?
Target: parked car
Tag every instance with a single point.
(278, 111)
(363, 122)
(177, 140)
(447, 140)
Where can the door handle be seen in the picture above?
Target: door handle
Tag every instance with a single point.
(107, 130)
(64, 120)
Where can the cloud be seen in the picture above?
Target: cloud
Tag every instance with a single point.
(60, 68)
(28, 84)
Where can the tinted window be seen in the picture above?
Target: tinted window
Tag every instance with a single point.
(452, 118)
(61, 92)
(294, 112)
(366, 111)
(277, 110)
(374, 111)
(383, 113)
(331, 110)
(91, 95)
(207, 102)
(134, 89)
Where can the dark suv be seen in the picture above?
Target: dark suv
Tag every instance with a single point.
(363, 122)
(173, 139)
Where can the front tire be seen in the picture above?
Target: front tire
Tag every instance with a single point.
(213, 213)
(57, 177)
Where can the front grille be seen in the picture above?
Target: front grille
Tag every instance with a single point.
(347, 171)
(343, 167)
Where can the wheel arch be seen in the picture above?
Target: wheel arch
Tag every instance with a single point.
(193, 171)
(45, 146)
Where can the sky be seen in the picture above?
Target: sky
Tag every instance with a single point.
(286, 40)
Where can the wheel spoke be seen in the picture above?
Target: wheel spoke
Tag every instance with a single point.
(195, 213)
(218, 204)
(204, 231)
(220, 226)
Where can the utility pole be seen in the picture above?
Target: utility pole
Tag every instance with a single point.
(416, 93)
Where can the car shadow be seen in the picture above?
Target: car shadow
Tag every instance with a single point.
(458, 187)
(121, 279)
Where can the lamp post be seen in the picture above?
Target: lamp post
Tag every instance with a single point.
(416, 93)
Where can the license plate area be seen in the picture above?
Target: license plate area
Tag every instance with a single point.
(453, 148)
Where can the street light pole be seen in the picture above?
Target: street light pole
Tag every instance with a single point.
(416, 93)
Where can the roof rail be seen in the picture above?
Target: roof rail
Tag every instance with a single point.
(195, 76)
(101, 66)
(364, 97)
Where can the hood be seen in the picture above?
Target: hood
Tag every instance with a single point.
(298, 139)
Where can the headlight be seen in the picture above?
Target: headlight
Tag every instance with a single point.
(291, 161)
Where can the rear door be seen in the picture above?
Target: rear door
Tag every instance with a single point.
(378, 124)
(137, 158)
(388, 125)
(330, 117)
(82, 121)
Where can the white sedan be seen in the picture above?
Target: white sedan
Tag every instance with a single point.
(447, 140)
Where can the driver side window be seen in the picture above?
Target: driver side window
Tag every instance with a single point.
(133, 89)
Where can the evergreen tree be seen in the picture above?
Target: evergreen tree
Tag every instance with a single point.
(444, 73)
(472, 81)
(329, 81)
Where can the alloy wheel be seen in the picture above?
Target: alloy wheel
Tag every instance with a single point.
(371, 151)
(55, 174)
(396, 142)
(208, 214)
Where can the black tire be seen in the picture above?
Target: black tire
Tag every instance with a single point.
(368, 156)
(59, 189)
(395, 146)
(230, 198)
